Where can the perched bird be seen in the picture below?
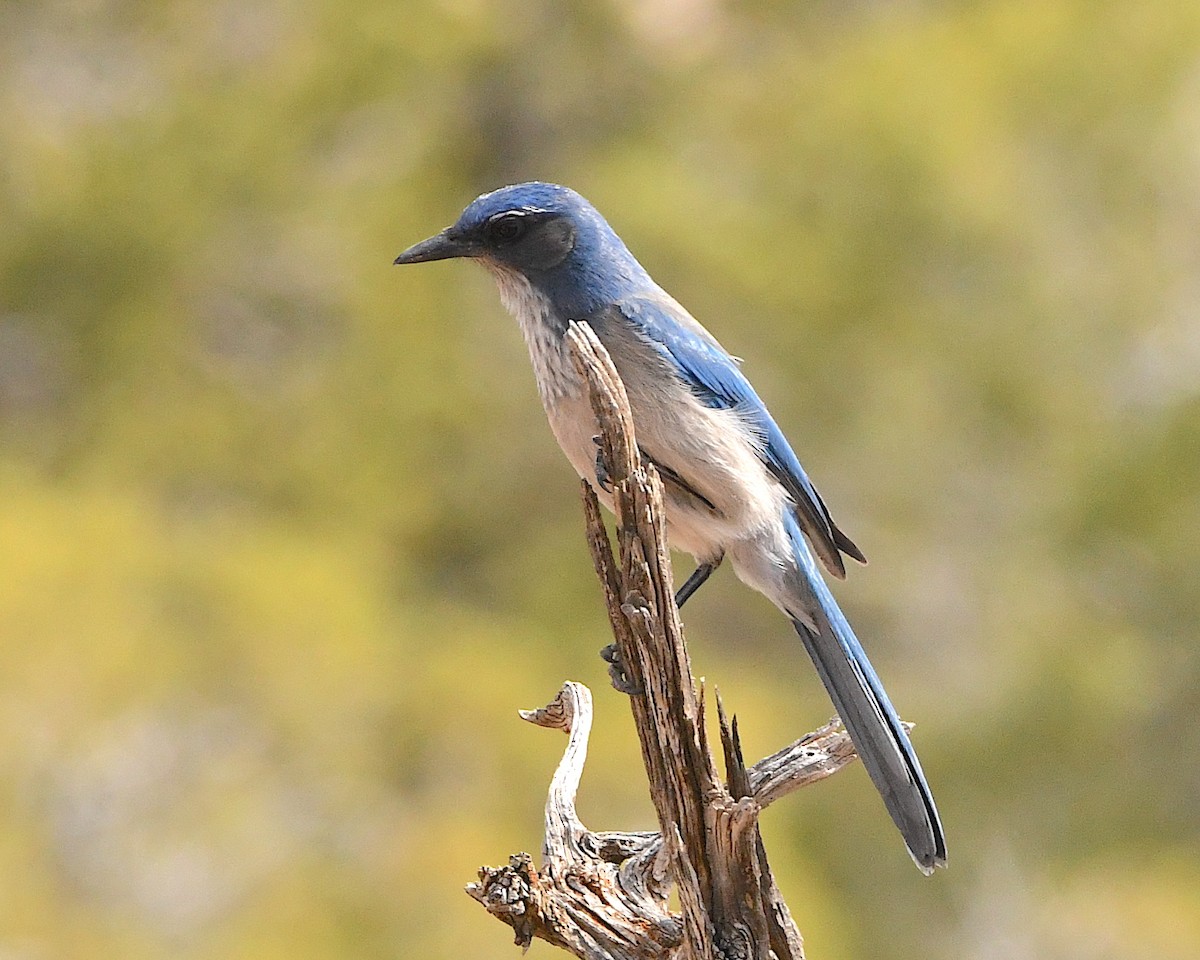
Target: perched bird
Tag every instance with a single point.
(733, 488)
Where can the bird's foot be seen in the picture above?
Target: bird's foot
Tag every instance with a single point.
(620, 680)
(603, 477)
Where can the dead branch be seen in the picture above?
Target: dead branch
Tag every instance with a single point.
(604, 895)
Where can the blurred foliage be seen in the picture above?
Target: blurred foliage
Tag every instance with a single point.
(284, 541)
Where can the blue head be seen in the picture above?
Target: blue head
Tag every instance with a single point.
(548, 234)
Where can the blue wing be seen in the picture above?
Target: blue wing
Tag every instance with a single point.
(713, 376)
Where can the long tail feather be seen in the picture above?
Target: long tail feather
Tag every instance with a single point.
(867, 713)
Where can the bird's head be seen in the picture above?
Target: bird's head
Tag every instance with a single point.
(547, 233)
(527, 227)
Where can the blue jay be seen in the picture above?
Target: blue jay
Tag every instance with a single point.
(733, 488)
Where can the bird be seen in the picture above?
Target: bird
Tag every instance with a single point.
(733, 488)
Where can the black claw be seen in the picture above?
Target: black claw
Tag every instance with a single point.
(620, 680)
(603, 477)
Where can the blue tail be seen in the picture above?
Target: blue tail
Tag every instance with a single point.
(866, 711)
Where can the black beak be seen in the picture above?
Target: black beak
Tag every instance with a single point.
(440, 247)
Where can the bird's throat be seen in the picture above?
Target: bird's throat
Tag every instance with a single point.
(544, 331)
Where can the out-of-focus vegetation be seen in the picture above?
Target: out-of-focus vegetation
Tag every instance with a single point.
(284, 541)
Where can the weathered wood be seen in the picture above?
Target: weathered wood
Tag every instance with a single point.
(604, 895)
(596, 895)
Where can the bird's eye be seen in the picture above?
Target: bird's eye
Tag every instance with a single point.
(506, 228)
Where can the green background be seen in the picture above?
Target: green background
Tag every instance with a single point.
(285, 541)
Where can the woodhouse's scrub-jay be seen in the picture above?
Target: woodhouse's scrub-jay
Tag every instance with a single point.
(733, 487)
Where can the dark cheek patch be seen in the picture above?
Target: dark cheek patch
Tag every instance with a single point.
(550, 244)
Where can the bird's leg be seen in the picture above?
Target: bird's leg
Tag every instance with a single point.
(699, 575)
(620, 680)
